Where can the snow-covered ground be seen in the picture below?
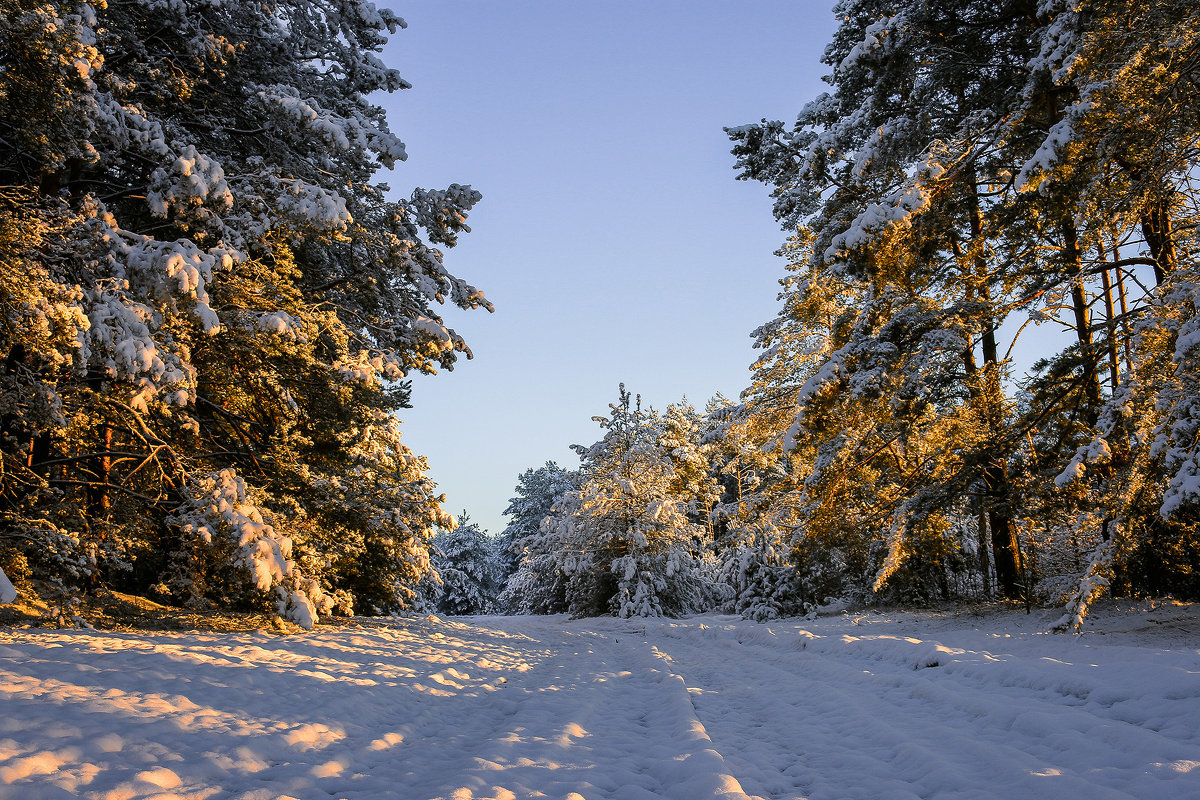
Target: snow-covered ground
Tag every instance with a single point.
(898, 705)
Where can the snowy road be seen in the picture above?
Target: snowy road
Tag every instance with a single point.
(872, 714)
(877, 706)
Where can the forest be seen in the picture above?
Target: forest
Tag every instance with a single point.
(211, 305)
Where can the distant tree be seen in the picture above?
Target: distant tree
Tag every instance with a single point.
(626, 544)
(682, 437)
(752, 538)
(538, 585)
(466, 562)
(537, 491)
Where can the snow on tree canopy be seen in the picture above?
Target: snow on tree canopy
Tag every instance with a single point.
(230, 299)
(971, 169)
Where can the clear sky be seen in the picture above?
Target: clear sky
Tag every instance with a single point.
(613, 237)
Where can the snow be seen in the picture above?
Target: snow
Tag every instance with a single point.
(898, 209)
(280, 323)
(872, 40)
(264, 554)
(313, 205)
(345, 134)
(1096, 452)
(1050, 152)
(8, 592)
(869, 705)
(193, 179)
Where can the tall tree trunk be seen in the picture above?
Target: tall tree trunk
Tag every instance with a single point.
(990, 395)
(1110, 324)
(99, 499)
(1126, 334)
(39, 453)
(1005, 553)
(1073, 267)
(1159, 233)
(985, 563)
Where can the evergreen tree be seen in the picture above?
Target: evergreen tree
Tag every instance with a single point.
(465, 560)
(537, 491)
(626, 544)
(210, 306)
(972, 163)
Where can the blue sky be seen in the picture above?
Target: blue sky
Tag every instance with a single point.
(613, 237)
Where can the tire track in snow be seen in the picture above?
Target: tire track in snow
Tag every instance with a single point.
(842, 722)
(598, 718)
(600, 709)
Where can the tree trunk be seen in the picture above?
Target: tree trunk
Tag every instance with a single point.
(1004, 532)
(1005, 555)
(99, 499)
(1160, 237)
(1073, 267)
(39, 453)
(1110, 323)
(985, 563)
(991, 398)
(1126, 335)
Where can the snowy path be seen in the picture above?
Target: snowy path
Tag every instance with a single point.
(900, 706)
(882, 715)
(588, 717)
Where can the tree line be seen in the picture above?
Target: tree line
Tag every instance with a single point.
(980, 180)
(209, 305)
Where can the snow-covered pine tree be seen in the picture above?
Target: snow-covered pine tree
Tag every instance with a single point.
(465, 559)
(210, 300)
(527, 549)
(626, 544)
(884, 171)
(1125, 151)
(538, 585)
(970, 165)
(537, 491)
(751, 540)
(682, 438)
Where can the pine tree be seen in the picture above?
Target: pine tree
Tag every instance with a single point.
(627, 546)
(537, 491)
(465, 562)
(1136, 107)
(228, 303)
(974, 163)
